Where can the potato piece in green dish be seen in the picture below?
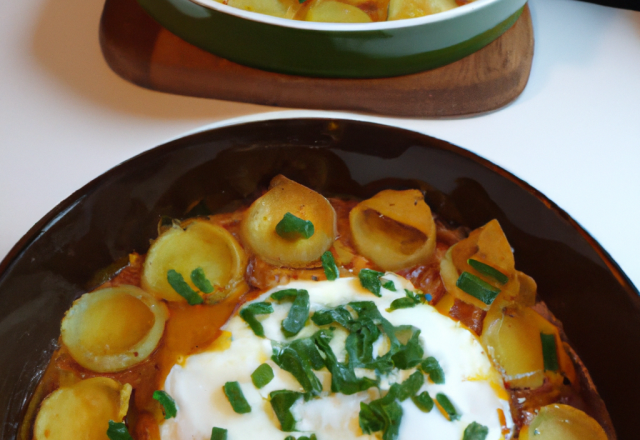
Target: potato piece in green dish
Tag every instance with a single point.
(336, 12)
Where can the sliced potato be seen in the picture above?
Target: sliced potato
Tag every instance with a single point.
(276, 8)
(489, 245)
(113, 329)
(199, 244)
(562, 422)
(401, 9)
(82, 411)
(512, 338)
(336, 12)
(394, 229)
(286, 196)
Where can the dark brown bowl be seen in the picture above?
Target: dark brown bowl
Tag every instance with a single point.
(117, 213)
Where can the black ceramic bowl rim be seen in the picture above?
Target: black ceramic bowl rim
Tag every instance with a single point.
(608, 373)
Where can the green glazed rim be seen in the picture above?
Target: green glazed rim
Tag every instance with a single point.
(367, 53)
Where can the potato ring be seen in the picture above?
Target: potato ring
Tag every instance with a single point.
(199, 244)
(394, 229)
(287, 196)
(82, 411)
(113, 329)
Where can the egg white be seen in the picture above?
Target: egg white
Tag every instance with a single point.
(472, 383)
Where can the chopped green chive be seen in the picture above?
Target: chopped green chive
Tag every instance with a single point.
(549, 352)
(292, 227)
(475, 431)
(218, 434)
(432, 367)
(184, 290)
(389, 285)
(478, 288)
(489, 271)
(298, 314)
(288, 294)
(370, 280)
(234, 393)
(262, 375)
(199, 280)
(329, 266)
(281, 402)
(447, 406)
(118, 431)
(304, 437)
(248, 314)
(167, 402)
(423, 401)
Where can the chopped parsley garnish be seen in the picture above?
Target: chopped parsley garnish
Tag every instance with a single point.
(423, 401)
(118, 431)
(410, 300)
(292, 227)
(299, 358)
(304, 437)
(299, 311)
(389, 285)
(370, 280)
(234, 393)
(218, 434)
(167, 402)
(248, 314)
(549, 352)
(384, 414)
(477, 288)
(410, 354)
(262, 375)
(281, 402)
(447, 406)
(475, 431)
(178, 284)
(329, 266)
(432, 367)
(298, 314)
(199, 280)
(339, 315)
(410, 386)
(343, 378)
(489, 271)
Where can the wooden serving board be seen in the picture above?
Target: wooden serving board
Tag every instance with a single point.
(141, 51)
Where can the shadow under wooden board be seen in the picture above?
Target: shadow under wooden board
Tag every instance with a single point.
(141, 51)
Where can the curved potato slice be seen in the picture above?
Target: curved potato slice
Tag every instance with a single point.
(562, 422)
(336, 12)
(487, 244)
(82, 411)
(286, 196)
(113, 329)
(512, 338)
(199, 244)
(394, 229)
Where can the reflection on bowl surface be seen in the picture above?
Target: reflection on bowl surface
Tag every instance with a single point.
(271, 41)
(117, 213)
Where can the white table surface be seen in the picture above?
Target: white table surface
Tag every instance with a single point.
(574, 134)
